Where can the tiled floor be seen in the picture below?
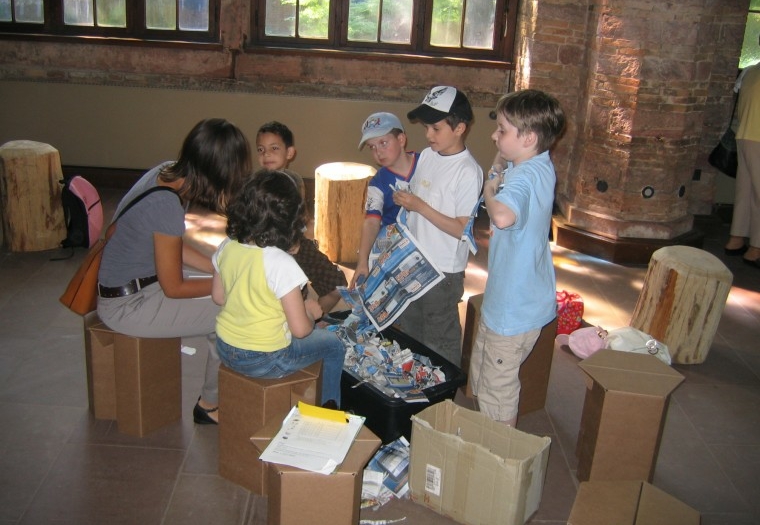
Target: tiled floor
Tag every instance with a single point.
(59, 465)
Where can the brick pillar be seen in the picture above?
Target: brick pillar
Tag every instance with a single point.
(638, 80)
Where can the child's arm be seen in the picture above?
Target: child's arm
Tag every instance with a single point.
(453, 226)
(500, 214)
(300, 314)
(217, 289)
(370, 229)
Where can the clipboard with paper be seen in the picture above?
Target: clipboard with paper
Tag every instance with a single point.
(313, 439)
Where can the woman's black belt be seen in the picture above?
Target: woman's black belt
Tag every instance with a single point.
(133, 286)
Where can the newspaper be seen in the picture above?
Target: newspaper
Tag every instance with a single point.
(401, 273)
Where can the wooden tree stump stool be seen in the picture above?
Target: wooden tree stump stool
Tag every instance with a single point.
(30, 194)
(682, 300)
(340, 192)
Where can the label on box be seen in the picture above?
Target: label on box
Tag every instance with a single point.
(433, 480)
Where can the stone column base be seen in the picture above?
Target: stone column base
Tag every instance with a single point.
(620, 250)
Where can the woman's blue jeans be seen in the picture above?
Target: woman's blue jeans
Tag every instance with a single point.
(319, 344)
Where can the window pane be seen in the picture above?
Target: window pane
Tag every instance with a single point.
(29, 11)
(751, 47)
(78, 13)
(281, 18)
(5, 11)
(193, 15)
(397, 22)
(161, 14)
(447, 23)
(478, 24)
(313, 16)
(363, 20)
(112, 13)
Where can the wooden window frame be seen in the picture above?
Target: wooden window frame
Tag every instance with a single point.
(54, 26)
(505, 24)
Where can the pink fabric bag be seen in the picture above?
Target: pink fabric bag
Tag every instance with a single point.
(585, 341)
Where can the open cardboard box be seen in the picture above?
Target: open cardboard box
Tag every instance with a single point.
(628, 503)
(473, 469)
(623, 415)
(298, 496)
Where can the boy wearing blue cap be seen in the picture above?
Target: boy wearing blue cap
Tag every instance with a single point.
(384, 135)
(444, 191)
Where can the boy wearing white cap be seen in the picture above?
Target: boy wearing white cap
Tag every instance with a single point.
(444, 191)
(384, 136)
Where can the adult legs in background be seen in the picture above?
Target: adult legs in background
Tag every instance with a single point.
(745, 223)
(149, 313)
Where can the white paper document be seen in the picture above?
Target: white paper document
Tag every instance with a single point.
(312, 443)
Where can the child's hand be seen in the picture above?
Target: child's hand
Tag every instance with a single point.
(313, 309)
(492, 186)
(360, 274)
(408, 200)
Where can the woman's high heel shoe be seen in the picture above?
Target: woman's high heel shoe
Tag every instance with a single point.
(201, 415)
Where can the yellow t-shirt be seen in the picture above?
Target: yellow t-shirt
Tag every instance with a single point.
(749, 105)
(254, 280)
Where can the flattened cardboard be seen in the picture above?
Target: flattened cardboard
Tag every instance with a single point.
(623, 415)
(474, 470)
(298, 496)
(246, 404)
(628, 503)
(134, 380)
(535, 370)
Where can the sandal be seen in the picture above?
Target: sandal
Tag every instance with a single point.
(201, 415)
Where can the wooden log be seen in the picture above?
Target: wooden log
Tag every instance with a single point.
(340, 192)
(30, 193)
(682, 300)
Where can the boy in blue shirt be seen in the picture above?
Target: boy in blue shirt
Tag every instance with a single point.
(443, 192)
(520, 293)
(384, 136)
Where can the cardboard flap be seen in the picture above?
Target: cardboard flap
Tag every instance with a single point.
(660, 508)
(605, 503)
(630, 372)
(628, 503)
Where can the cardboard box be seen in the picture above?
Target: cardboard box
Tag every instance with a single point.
(623, 415)
(298, 496)
(535, 370)
(246, 404)
(628, 503)
(101, 377)
(473, 469)
(135, 380)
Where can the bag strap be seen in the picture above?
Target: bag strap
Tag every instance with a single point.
(134, 201)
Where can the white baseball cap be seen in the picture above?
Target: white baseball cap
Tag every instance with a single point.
(441, 102)
(379, 124)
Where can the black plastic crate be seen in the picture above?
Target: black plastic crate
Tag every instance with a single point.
(388, 417)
